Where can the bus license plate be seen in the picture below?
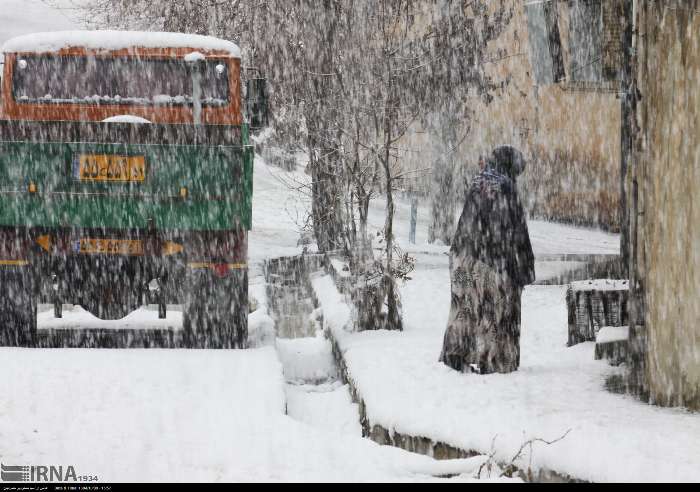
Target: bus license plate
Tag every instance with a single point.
(109, 168)
(124, 247)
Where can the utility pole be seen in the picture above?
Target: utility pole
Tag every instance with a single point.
(628, 100)
(414, 219)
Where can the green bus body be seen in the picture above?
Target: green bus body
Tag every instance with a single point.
(218, 180)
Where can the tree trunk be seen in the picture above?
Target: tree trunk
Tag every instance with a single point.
(324, 200)
(321, 117)
(445, 178)
(389, 290)
(442, 211)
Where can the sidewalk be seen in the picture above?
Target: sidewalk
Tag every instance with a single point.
(557, 390)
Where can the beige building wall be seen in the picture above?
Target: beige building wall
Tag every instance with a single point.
(666, 240)
(572, 138)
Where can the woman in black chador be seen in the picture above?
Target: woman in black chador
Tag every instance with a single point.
(491, 261)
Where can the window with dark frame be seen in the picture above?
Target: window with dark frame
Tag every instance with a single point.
(125, 80)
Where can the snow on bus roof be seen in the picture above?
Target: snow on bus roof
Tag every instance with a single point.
(115, 40)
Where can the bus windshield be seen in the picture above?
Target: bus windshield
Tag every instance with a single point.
(126, 80)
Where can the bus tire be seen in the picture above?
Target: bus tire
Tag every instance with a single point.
(216, 311)
(18, 309)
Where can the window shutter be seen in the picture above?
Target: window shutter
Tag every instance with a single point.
(545, 42)
(596, 34)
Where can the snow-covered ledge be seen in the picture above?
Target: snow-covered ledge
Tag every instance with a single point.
(337, 326)
(409, 399)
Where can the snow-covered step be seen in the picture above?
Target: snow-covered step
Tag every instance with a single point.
(612, 344)
(594, 304)
(307, 360)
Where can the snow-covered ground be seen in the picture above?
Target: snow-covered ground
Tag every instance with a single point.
(77, 317)
(314, 392)
(558, 389)
(179, 416)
